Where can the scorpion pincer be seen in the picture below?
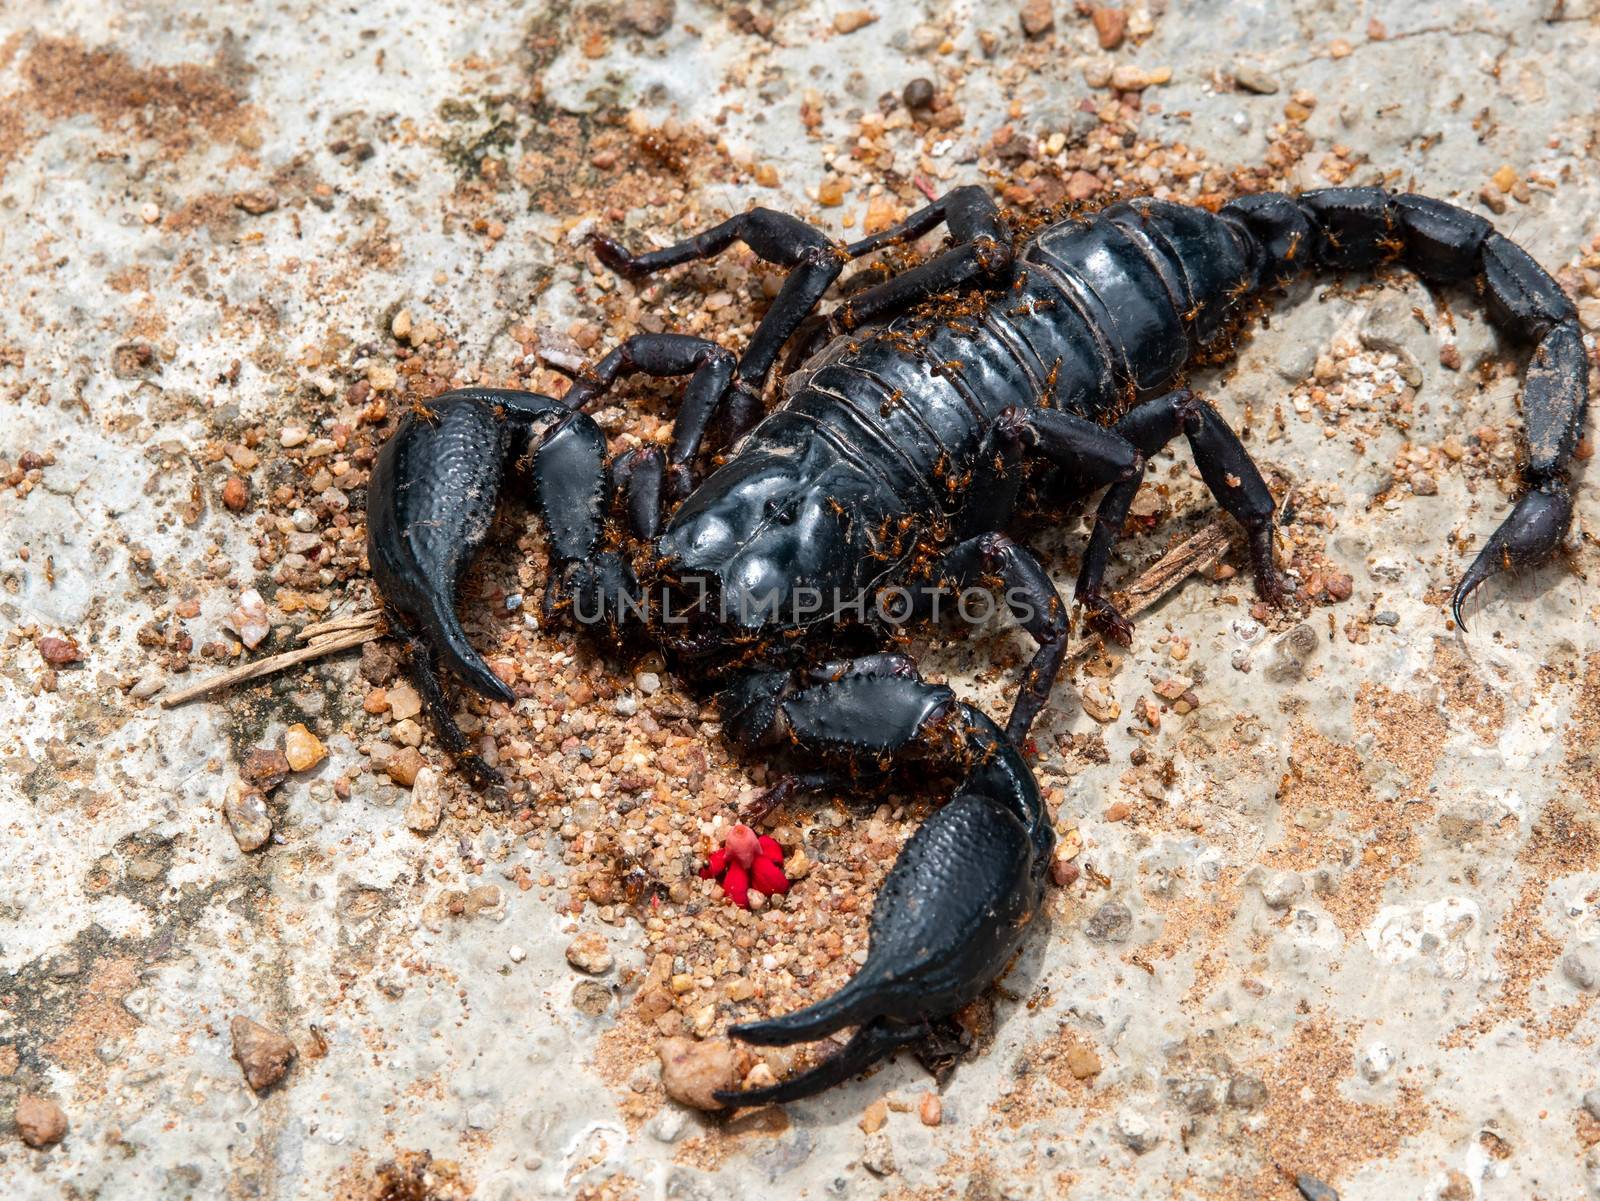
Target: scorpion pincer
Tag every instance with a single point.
(912, 415)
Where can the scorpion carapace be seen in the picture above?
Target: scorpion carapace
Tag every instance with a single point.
(894, 462)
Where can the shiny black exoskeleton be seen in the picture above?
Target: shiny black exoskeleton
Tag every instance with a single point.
(894, 463)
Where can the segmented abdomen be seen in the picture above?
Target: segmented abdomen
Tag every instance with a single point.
(1125, 299)
(1098, 313)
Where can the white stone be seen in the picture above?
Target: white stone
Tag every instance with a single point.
(427, 801)
(1374, 1061)
(248, 619)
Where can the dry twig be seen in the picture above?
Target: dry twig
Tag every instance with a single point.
(338, 635)
(1201, 550)
(369, 618)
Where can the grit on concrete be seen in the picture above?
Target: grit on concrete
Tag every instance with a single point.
(1348, 928)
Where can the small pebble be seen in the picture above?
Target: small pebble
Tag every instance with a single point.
(692, 1071)
(875, 1116)
(1135, 1131)
(1098, 702)
(40, 1121)
(1112, 922)
(263, 1053)
(235, 494)
(589, 952)
(517, 953)
(931, 1109)
(403, 702)
(291, 436)
(404, 765)
(248, 620)
(1374, 1062)
(1281, 889)
(849, 22)
(1083, 1061)
(1128, 78)
(1313, 1189)
(1386, 617)
(265, 767)
(426, 806)
(58, 652)
(150, 683)
(918, 94)
(302, 748)
(1110, 25)
(246, 812)
(1254, 79)
(257, 202)
(1038, 18)
(878, 1155)
(1063, 872)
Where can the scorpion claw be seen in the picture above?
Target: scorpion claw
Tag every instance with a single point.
(944, 927)
(869, 1044)
(430, 505)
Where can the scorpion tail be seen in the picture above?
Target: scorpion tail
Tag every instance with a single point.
(950, 915)
(1360, 228)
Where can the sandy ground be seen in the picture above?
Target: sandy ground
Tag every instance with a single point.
(1337, 920)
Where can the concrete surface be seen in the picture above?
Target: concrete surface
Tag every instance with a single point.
(1357, 934)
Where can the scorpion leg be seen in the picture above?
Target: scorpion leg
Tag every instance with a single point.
(959, 898)
(778, 238)
(1229, 473)
(710, 367)
(1033, 600)
(982, 251)
(423, 668)
(751, 705)
(1096, 455)
(431, 502)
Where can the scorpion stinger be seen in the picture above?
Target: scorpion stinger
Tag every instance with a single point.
(955, 906)
(430, 505)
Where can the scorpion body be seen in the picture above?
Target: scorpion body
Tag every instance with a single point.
(897, 457)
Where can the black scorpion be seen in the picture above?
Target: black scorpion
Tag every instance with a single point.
(897, 458)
